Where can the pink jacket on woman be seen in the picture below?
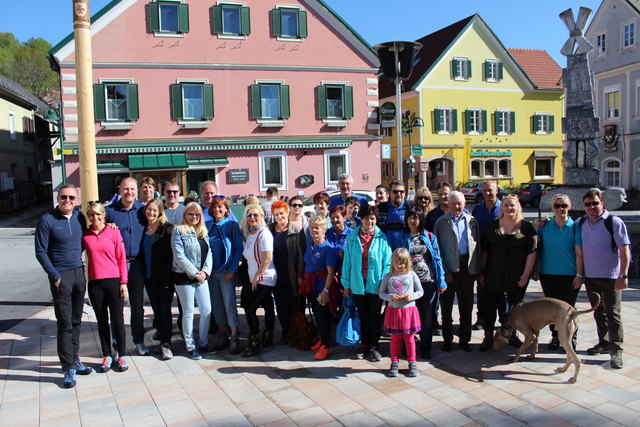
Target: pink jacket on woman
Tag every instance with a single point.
(107, 257)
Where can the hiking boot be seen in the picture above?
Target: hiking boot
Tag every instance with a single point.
(81, 368)
(142, 349)
(70, 378)
(122, 364)
(322, 353)
(165, 352)
(105, 366)
(375, 355)
(600, 348)
(234, 344)
(554, 344)
(413, 369)
(616, 360)
(393, 370)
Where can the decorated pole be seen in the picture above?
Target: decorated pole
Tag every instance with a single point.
(84, 91)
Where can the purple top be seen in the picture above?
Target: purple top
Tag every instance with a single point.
(600, 262)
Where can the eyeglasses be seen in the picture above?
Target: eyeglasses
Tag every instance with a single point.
(297, 205)
(560, 205)
(252, 215)
(218, 196)
(172, 191)
(65, 197)
(594, 203)
(424, 198)
(397, 191)
(194, 215)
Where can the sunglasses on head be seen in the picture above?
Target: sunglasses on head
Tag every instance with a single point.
(397, 191)
(65, 197)
(296, 205)
(561, 205)
(594, 203)
(253, 215)
(194, 215)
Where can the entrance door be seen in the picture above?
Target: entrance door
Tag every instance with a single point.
(440, 170)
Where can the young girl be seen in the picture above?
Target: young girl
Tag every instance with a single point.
(401, 287)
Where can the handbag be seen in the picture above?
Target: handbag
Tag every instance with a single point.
(302, 331)
(348, 330)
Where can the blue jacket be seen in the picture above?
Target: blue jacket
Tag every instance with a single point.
(432, 246)
(225, 240)
(58, 242)
(131, 223)
(186, 254)
(379, 263)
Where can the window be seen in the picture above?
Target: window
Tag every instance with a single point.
(490, 168)
(336, 163)
(475, 121)
(461, 68)
(601, 44)
(446, 120)
(116, 102)
(192, 101)
(270, 101)
(612, 105)
(505, 122)
(289, 23)
(492, 70)
(12, 125)
(168, 17)
(273, 169)
(335, 101)
(388, 169)
(28, 129)
(476, 168)
(637, 174)
(611, 173)
(504, 168)
(543, 123)
(628, 35)
(231, 19)
(543, 168)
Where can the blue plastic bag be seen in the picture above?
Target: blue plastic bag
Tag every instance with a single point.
(348, 330)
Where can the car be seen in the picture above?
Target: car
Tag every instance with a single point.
(532, 192)
(309, 209)
(472, 191)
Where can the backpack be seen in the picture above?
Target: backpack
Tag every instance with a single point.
(608, 224)
(302, 331)
(348, 330)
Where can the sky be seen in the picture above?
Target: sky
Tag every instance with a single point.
(517, 23)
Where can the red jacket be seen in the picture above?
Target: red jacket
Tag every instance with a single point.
(107, 257)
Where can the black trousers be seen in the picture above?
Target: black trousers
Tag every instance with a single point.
(68, 301)
(107, 303)
(369, 306)
(495, 299)
(137, 285)
(559, 287)
(462, 287)
(162, 310)
(285, 303)
(323, 319)
(260, 297)
(425, 305)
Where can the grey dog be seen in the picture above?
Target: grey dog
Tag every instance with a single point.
(531, 316)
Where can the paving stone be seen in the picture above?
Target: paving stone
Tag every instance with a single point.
(313, 416)
(535, 416)
(361, 418)
(261, 411)
(616, 394)
(579, 416)
(399, 416)
(618, 413)
(543, 399)
(447, 416)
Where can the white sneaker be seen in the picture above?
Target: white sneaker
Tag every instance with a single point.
(142, 349)
(165, 351)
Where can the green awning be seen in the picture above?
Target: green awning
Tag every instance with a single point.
(158, 161)
(112, 164)
(208, 161)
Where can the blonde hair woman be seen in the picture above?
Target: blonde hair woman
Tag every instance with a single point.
(424, 200)
(508, 252)
(191, 268)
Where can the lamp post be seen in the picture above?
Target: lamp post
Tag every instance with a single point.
(396, 63)
(411, 121)
(54, 117)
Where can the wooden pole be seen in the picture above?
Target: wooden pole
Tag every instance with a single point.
(84, 94)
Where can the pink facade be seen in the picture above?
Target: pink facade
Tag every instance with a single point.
(126, 51)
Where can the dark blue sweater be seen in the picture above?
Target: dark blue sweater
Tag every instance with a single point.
(131, 223)
(59, 242)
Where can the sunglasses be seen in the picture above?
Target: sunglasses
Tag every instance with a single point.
(252, 215)
(424, 198)
(65, 197)
(218, 196)
(397, 191)
(589, 204)
(194, 215)
(297, 205)
(172, 191)
(560, 205)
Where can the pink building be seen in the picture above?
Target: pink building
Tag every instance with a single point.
(249, 94)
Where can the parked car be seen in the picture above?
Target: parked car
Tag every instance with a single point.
(309, 209)
(473, 191)
(532, 192)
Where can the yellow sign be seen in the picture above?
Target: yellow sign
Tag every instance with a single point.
(411, 183)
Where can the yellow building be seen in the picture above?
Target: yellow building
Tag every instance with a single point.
(489, 112)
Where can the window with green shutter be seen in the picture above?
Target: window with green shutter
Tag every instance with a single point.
(445, 120)
(168, 17)
(115, 101)
(270, 101)
(475, 121)
(231, 20)
(542, 123)
(504, 122)
(335, 101)
(289, 23)
(461, 68)
(192, 102)
(492, 70)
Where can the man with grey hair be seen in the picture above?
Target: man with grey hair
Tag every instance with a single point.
(345, 184)
(272, 196)
(208, 192)
(459, 238)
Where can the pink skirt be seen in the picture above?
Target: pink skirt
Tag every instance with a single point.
(402, 320)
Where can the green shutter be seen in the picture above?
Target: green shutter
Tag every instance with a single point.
(487, 70)
(276, 22)
(483, 115)
(551, 124)
(454, 120)
(207, 101)
(467, 121)
(437, 115)
(302, 24)
(512, 121)
(132, 102)
(245, 21)
(468, 68)
(348, 102)
(496, 122)
(322, 102)
(176, 101)
(535, 123)
(499, 70)
(154, 16)
(99, 107)
(255, 102)
(183, 25)
(454, 68)
(285, 111)
(216, 15)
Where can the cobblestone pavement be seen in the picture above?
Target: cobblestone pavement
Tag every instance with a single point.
(284, 386)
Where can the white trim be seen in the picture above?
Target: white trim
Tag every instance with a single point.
(372, 92)
(372, 104)
(119, 125)
(347, 164)
(68, 77)
(106, 80)
(196, 81)
(497, 63)
(335, 123)
(231, 3)
(486, 89)
(606, 91)
(635, 34)
(69, 90)
(552, 161)
(272, 82)
(71, 131)
(285, 177)
(604, 171)
(271, 123)
(371, 81)
(595, 44)
(13, 126)
(70, 117)
(231, 37)
(333, 83)
(70, 104)
(548, 131)
(194, 124)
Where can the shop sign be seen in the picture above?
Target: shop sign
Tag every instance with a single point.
(388, 111)
(487, 153)
(237, 176)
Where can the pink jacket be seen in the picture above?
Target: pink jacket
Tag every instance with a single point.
(107, 257)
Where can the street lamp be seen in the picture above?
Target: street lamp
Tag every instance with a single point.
(408, 123)
(396, 63)
(53, 117)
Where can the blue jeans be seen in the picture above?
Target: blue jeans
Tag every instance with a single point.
(188, 294)
(223, 300)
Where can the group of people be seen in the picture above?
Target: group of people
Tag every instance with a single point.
(401, 262)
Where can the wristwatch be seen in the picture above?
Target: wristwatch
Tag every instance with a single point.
(623, 276)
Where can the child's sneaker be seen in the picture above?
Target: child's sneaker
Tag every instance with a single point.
(122, 364)
(393, 370)
(413, 369)
(70, 378)
(105, 366)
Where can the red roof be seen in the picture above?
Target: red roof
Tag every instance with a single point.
(540, 67)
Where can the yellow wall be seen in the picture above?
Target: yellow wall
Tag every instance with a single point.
(19, 112)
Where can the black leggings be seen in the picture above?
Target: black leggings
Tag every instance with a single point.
(369, 306)
(260, 297)
(106, 300)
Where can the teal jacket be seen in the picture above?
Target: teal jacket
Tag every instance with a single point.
(379, 263)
